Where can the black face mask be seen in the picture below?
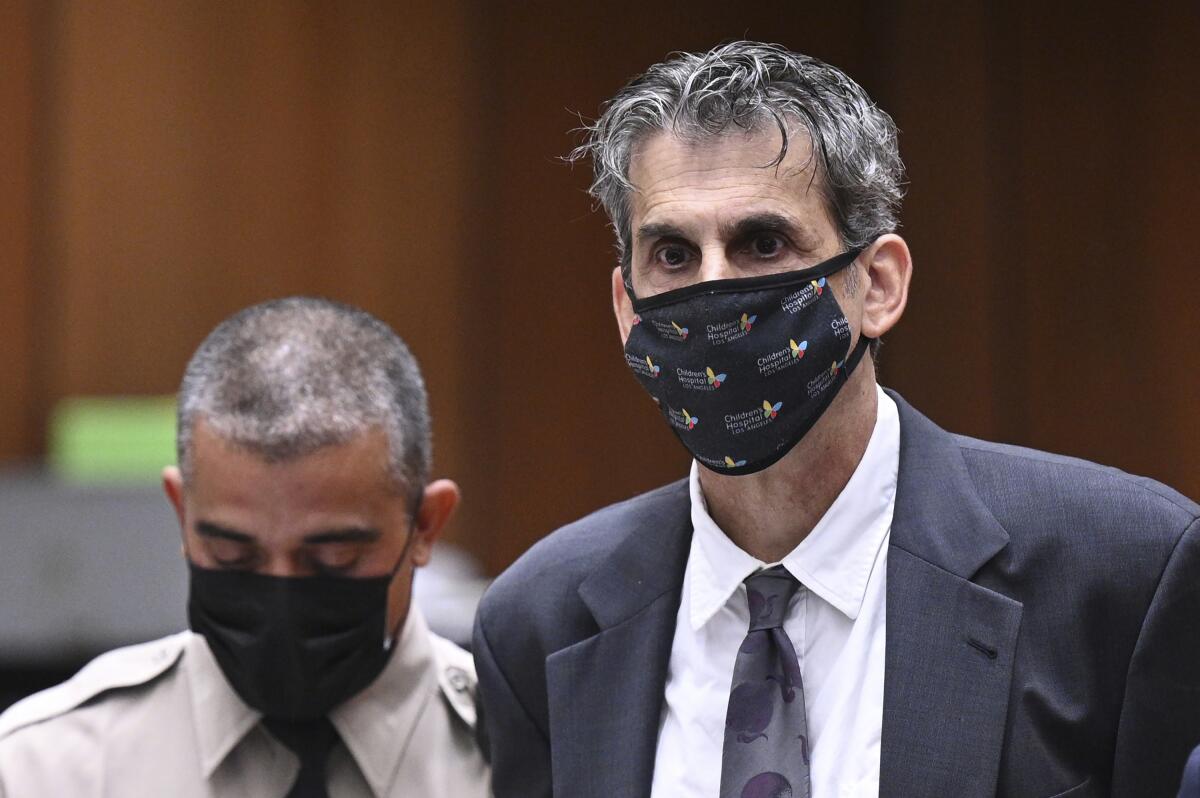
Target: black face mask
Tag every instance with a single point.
(292, 647)
(743, 368)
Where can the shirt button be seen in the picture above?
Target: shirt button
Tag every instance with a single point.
(458, 679)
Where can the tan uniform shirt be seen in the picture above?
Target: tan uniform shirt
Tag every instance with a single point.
(161, 719)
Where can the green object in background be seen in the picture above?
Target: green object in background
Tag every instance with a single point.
(112, 439)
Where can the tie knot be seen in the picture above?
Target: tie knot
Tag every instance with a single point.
(769, 592)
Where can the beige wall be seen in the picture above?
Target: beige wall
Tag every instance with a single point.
(170, 162)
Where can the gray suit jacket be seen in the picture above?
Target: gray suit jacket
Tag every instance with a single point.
(1043, 634)
(1190, 788)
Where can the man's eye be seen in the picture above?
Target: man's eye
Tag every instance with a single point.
(336, 557)
(672, 256)
(230, 554)
(766, 245)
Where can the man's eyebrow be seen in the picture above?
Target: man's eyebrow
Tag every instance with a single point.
(657, 230)
(210, 530)
(348, 535)
(759, 222)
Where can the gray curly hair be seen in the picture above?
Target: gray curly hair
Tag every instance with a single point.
(751, 85)
(288, 377)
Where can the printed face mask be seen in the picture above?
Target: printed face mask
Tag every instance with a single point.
(743, 368)
(292, 647)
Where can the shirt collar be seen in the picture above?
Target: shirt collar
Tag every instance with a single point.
(375, 725)
(222, 719)
(835, 560)
(378, 723)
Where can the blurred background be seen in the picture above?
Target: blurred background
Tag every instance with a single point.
(168, 162)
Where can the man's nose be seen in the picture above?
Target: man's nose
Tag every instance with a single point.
(715, 264)
(283, 565)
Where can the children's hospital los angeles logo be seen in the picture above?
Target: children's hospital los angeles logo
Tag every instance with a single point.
(643, 366)
(726, 331)
(682, 419)
(670, 330)
(822, 382)
(784, 357)
(719, 463)
(802, 298)
(708, 380)
(753, 419)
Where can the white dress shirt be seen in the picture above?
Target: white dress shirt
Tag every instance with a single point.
(835, 621)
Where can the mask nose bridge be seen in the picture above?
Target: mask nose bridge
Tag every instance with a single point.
(282, 602)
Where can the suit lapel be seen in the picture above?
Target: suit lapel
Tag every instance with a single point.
(606, 691)
(950, 642)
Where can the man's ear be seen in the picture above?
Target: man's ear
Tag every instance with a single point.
(622, 306)
(172, 482)
(437, 505)
(888, 265)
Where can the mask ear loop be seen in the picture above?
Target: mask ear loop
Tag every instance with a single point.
(389, 638)
(627, 278)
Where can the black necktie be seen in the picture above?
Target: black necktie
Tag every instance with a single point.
(765, 754)
(311, 741)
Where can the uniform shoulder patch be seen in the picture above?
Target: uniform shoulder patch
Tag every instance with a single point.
(456, 677)
(131, 666)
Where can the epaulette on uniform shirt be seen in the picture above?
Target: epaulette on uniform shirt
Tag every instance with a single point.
(120, 669)
(456, 678)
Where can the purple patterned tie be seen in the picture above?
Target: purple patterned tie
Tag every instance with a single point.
(766, 733)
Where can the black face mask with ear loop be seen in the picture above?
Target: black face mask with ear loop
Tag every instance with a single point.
(743, 368)
(293, 647)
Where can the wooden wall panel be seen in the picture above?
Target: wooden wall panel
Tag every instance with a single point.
(17, 391)
(1162, 126)
(208, 156)
(942, 357)
(1083, 344)
(1048, 213)
(1104, 377)
(198, 157)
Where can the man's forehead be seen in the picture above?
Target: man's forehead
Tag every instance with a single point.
(732, 176)
(665, 158)
(362, 457)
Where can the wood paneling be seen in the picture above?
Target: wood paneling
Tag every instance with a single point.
(208, 156)
(17, 434)
(948, 135)
(195, 157)
(1164, 124)
(1049, 215)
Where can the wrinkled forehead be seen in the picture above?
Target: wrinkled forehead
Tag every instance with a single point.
(783, 151)
(673, 172)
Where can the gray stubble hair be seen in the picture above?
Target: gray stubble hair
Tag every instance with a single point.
(290, 376)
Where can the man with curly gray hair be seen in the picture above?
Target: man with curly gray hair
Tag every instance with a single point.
(841, 598)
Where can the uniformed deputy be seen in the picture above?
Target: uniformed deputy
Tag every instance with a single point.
(305, 506)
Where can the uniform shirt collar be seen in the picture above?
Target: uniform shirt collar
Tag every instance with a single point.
(834, 560)
(222, 719)
(375, 725)
(378, 723)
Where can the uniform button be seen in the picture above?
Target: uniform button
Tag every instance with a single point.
(458, 679)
